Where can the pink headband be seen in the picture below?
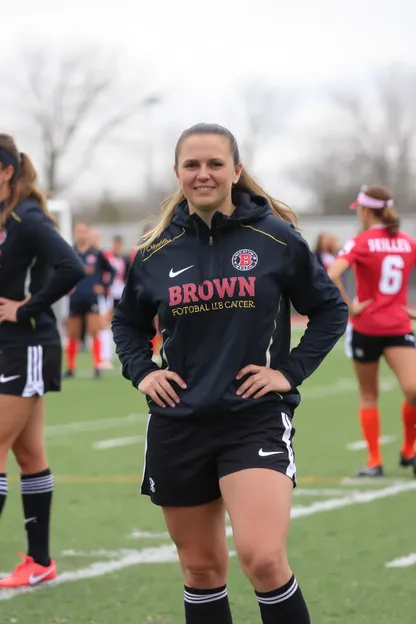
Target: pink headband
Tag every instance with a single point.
(370, 202)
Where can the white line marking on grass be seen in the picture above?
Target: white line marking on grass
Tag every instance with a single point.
(361, 444)
(112, 554)
(356, 498)
(82, 426)
(116, 442)
(149, 535)
(402, 562)
(314, 492)
(344, 385)
(374, 481)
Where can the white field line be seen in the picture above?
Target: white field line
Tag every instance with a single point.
(321, 492)
(116, 442)
(356, 498)
(374, 481)
(344, 385)
(402, 562)
(361, 444)
(165, 554)
(112, 554)
(52, 431)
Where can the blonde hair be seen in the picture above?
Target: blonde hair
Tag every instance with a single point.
(245, 184)
(387, 215)
(23, 182)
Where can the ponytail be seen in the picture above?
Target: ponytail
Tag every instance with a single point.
(390, 218)
(247, 184)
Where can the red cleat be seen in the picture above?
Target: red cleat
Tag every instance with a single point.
(28, 574)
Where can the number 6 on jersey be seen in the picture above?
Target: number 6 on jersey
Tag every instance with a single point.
(391, 279)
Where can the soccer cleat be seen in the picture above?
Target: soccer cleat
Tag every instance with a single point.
(97, 373)
(68, 374)
(414, 465)
(405, 462)
(28, 574)
(366, 471)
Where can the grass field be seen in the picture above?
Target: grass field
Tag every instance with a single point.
(116, 564)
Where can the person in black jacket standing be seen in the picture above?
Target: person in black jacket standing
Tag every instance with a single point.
(220, 271)
(37, 267)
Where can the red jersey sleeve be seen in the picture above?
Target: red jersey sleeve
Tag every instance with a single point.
(350, 251)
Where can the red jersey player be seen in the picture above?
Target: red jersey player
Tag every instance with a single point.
(382, 258)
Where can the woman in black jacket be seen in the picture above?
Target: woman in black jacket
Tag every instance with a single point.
(37, 267)
(220, 271)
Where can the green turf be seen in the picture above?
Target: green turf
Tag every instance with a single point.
(339, 556)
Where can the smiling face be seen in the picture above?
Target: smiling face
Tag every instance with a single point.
(206, 172)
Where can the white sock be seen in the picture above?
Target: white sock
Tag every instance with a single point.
(106, 345)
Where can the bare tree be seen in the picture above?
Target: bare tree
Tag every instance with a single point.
(374, 143)
(74, 103)
(260, 108)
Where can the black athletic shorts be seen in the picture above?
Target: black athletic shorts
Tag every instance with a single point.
(365, 348)
(30, 371)
(185, 458)
(83, 307)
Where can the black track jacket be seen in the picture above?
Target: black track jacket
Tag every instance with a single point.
(223, 297)
(35, 261)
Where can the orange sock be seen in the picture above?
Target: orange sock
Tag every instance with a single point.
(370, 425)
(71, 353)
(409, 430)
(96, 351)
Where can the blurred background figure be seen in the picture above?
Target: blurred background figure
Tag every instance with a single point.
(113, 292)
(87, 300)
(326, 249)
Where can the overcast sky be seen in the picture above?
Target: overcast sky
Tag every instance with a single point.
(200, 51)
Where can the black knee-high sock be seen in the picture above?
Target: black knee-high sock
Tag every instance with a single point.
(3, 490)
(207, 606)
(37, 498)
(285, 605)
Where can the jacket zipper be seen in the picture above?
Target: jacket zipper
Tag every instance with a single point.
(211, 256)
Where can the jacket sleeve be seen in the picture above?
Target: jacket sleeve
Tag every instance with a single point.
(133, 326)
(313, 294)
(47, 244)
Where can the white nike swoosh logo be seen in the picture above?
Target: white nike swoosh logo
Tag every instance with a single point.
(173, 273)
(33, 519)
(34, 579)
(4, 379)
(266, 453)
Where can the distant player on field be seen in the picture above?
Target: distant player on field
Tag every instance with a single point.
(120, 264)
(382, 258)
(326, 249)
(84, 300)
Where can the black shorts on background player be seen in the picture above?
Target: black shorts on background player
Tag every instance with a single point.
(185, 459)
(367, 348)
(82, 307)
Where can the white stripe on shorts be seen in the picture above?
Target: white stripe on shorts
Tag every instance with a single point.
(145, 449)
(287, 423)
(34, 376)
